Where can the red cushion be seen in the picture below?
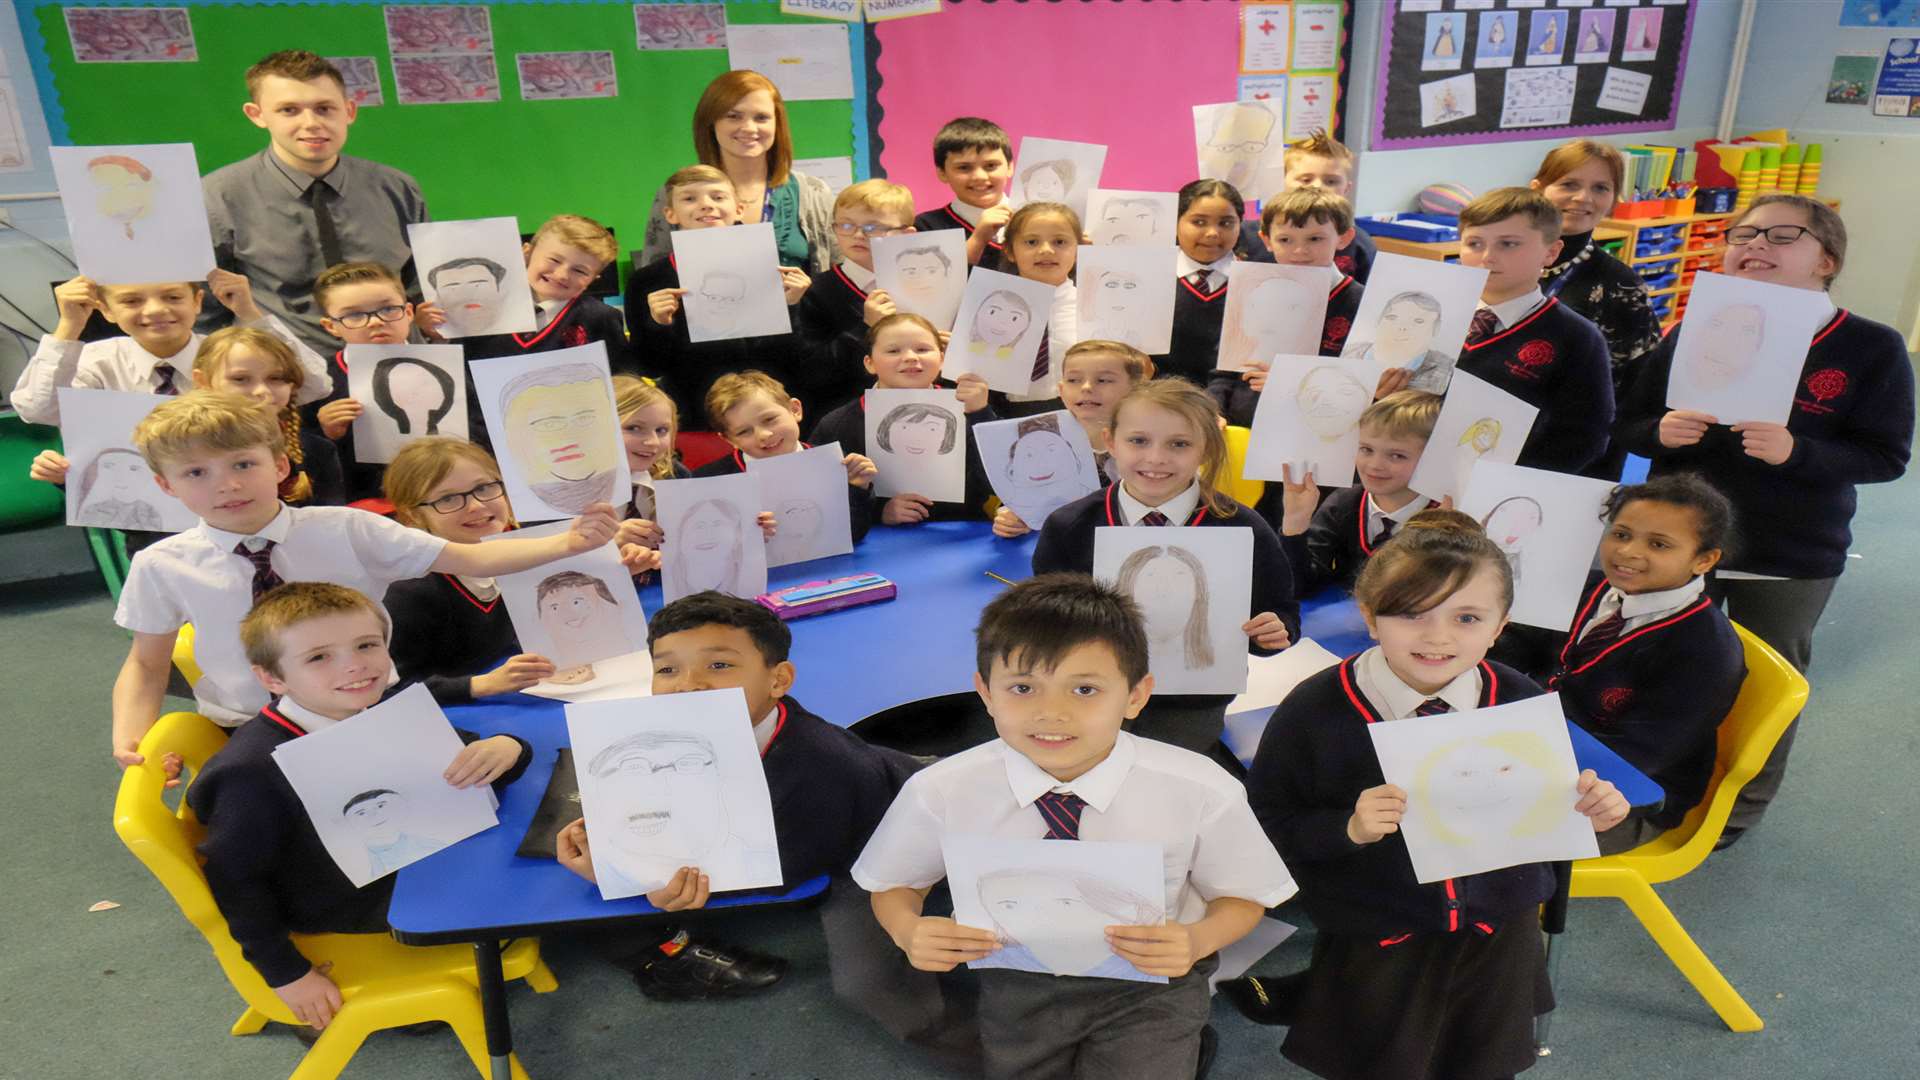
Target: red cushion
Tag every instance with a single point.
(699, 447)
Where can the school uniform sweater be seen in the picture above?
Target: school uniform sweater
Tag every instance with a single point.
(1852, 423)
(358, 481)
(1238, 401)
(1657, 695)
(993, 258)
(687, 368)
(1355, 260)
(1556, 361)
(830, 324)
(265, 864)
(1315, 759)
(1195, 347)
(579, 321)
(1336, 545)
(443, 634)
(861, 508)
(320, 461)
(847, 425)
(829, 790)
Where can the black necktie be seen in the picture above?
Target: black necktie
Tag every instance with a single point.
(1433, 706)
(1483, 326)
(1595, 641)
(1385, 534)
(319, 194)
(163, 381)
(264, 577)
(1153, 517)
(1061, 812)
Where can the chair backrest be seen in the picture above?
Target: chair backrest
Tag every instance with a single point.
(1770, 698)
(164, 839)
(183, 658)
(696, 448)
(1246, 492)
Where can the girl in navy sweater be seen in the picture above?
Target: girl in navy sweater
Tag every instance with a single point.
(1651, 666)
(1792, 485)
(649, 424)
(1208, 229)
(1441, 979)
(1168, 448)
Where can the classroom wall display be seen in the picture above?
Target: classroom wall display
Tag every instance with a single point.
(135, 35)
(1049, 903)
(554, 76)
(1132, 217)
(1308, 419)
(1549, 524)
(442, 54)
(475, 271)
(1898, 86)
(406, 392)
(1741, 348)
(713, 536)
(1873, 14)
(1123, 296)
(1415, 315)
(918, 441)
(1458, 71)
(998, 331)
(1272, 310)
(374, 786)
(362, 74)
(670, 26)
(554, 429)
(807, 490)
(673, 781)
(924, 273)
(807, 62)
(1195, 591)
(732, 278)
(1056, 170)
(1477, 421)
(134, 213)
(109, 485)
(1037, 464)
(1486, 789)
(576, 611)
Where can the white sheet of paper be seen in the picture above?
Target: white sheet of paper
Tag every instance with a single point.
(1742, 346)
(1625, 91)
(836, 171)
(807, 490)
(1486, 789)
(574, 611)
(1123, 294)
(1050, 901)
(1273, 310)
(1310, 100)
(1447, 100)
(405, 392)
(807, 63)
(1238, 958)
(109, 485)
(1308, 418)
(672, 781)
(374, 786)
(614, 679)
(1415, 315)
(475, 271)
(1538, 97)
(1263, 36)
(1316, 36)
(1057, 170)
(713, 536)
(1549, 524)
(1478, 421)
(1037, 464)
(1271, 678)
(997, 333)
(1115, 216)
(732, 278)
(1195, 591)
(554, 430)
(918, 440)
(925, 273)
(1242, 142)
(134, 213)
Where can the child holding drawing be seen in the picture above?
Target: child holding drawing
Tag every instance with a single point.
(1042, 243)
(1094, 377)
(1207, 230)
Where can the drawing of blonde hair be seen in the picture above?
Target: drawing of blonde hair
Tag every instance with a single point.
(1526, 748)
(1483, 435)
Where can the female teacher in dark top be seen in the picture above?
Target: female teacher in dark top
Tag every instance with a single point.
(1583, 179)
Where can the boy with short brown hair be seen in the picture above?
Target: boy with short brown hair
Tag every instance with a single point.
(566, 255)
(754, 413)
(831, 320)
(973, 157)
(1322, 162)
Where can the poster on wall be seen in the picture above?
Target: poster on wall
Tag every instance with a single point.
(1898, 90)
(1852, 80)
(362, 75)
(1874, 14)
(133, 35)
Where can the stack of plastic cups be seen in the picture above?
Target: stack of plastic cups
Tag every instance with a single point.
(1810, 170)
(1749, 183)
(1790, 168)
(1769, 170)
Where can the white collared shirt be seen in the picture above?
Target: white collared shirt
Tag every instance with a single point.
(1216, 270)
(1378, 518)
(194, 577)
(1393, 699)
(1335, 276)
(1639, 609)
(1145, 792)
(1063, 330)
(764, 728)
(545, 310)
(308, 720)
(861, 277)
(122, 364)
(1510, 312)
(1178, 509)
(642, 504)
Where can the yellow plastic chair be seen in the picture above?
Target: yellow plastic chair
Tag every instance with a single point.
(383, 983)
(183, 655)
(1246, 492)
(1773, 694)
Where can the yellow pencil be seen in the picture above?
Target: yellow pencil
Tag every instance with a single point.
(998, 578)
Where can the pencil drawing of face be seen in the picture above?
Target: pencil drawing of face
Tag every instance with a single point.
(709, 545)
(125, 189)
(800, 521)
(1331, 401)
(1739, 331)
(1487, 788)
(470, 291)
(1233, 149)
(579, 613)
(1047, 181)
(668, 803)
(723, 294)
(923, 274)
(1003, 319)
(1406, 328)
(414, 393)
(1511, 521)
(1128, 221)
(1061, 916)
(1273, 314)
(377, 816)
(1170, 585)
(117, 491)
(1040, 457)
(562, 432)
(919, 431)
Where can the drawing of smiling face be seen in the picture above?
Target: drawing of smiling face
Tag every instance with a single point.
(1512, 522)
(578, 618)
(1165, 590)
(1273, 316)
(1000, 323)
(378, 819)
(918, 438)
(1045, 184)
(666, 807)
(723, 296)
(923, 277)
(1124, 221)
(122, 476)
(1046, 914)
(1232, 152)
(565, 433)
(1041, 458)
(1486, 788)
(710, 544)
(1730, 351)
(1477, 776)
(470, 296)
(1405, 332)
(1331, 401)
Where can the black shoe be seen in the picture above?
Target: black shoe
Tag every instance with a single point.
(1209, 1046)
(1727, 839)
(1267, 999)
(698, 972)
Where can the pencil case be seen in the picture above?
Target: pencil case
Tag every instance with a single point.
(818, 597)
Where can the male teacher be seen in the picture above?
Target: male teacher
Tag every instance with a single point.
(290, 211)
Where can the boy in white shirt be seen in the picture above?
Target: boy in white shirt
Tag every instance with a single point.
(1062, 665)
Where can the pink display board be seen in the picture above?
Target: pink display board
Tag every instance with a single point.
(1034, 70)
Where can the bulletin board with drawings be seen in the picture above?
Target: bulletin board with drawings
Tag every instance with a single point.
(1477, 71)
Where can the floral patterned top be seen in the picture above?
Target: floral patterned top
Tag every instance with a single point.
(1607, 291)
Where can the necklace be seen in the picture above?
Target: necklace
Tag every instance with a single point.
(1558, 274)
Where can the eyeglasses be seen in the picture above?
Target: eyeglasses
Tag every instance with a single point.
(869, 230)
(354, 320)
(685, 765)
(1777, 235)
(1250, 147)
(457, 501)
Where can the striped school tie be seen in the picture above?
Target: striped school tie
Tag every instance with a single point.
(1595, 641)
(264, 577)
(1433, 706)
(1061, 812)
(1041, 361)
(1199, 278)
(163, 381)
(1153, 517)
(1483, 326)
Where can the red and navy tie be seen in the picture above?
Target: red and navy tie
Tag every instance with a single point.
(1433, 706)
(1061, 812)
(163, 381)
(264, 577)
(1599, 635)
(1153, 517)
(1484, 323)
(1041, 361)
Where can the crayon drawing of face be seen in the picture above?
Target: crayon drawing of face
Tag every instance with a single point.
(1047, 181)
(1512, 521)
(1331, 401)
(377, 816)
(1406, 328)
(1170, 585)
(722, 296)
(919, 431)
(1128, 221)
(1002, 320)
(1729, 352)
(1060, 917)
(579, 613)
(923, 274)
(1232, 152)
(1275, 315)
(125, 189)
(666, 799)
(561, 430)
(1487, 788)
(709, 547)
(470, 291)
(1481, 436)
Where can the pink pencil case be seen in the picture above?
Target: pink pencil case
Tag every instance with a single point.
(816, 597)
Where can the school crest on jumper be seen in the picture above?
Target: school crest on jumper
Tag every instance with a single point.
(1822, 386)
(574, 335)
(1334, 334)
(1614, 699)
(1533, 356)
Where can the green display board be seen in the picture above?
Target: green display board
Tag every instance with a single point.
(604, 157)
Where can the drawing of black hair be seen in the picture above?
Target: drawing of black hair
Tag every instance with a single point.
(570, 579)
(607, 760)
(364, 796)
(383, 393)
(1196, 639)
(499, 272)
(1033, 425)
(735, 555)
(933, 250)
(1062, 169)
(913, 414)
(1538, 513)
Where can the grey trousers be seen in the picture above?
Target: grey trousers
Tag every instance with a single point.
(1783, 614)
(1047, 1027)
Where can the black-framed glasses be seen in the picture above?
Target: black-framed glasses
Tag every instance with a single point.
(1777, 235)
(354, 320)
(870, 230)
(457, 501)
(686, 765)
